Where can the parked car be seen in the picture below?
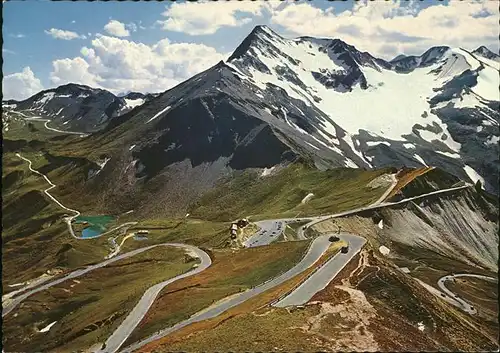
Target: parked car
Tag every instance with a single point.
(334, 238)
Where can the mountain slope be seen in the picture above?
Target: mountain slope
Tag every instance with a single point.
(407, 111)
(278, 99)
(75, 107)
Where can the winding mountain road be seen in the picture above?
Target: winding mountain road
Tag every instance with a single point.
(46, 191)
(317, 248)
(8, 307)
(123, 331)
(68, 220)
(269, 232)
(324, 274)
(462, 304)
(315, 220)
(46, 121)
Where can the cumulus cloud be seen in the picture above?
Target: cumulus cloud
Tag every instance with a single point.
(21, 85)
(202, 18)
(72, 71)
(116, 28)
(64, 35)
(121, 65)
(399, 26)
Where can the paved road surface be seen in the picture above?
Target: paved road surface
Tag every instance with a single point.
(325, 274)
(18, 299)
(141, 308)
(315, 251)
(315, 220)
(35, 118)
(459, 301)
(68, 220)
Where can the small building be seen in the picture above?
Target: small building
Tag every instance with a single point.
(242, 223)
(142, 231)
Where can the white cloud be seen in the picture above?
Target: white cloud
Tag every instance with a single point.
(17, 35)
(63, 34)
(73, 21)
(121, 65)
(116, 28)
(132, 27)
(21, 85)
(7, 51)
(202, 18)
(389, 28)
(72, 71)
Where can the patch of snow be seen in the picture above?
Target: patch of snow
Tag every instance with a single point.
(472, 61)
(310, 144)
(101, 165)
(405, 269)
(409, 145)
(421, 326)
(158, 114)
(384, 250)
(83, 95)
(132, 103)
(350, 164)
(468, 100)
(420, 159)
(487, 84)
(267, 171)
(479, 128)
(333, 140)
(448, 154)
(307, 198)
(493, 140)
(381, 224)
(45, 98)
(473, 175)
(131, 147)
(66, 122)
(375, 143)
(60, 110)
(48, 327)
(64, 96)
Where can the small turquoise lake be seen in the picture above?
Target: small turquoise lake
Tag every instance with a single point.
(97, 225)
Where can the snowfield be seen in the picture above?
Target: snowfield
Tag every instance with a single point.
(364, 96)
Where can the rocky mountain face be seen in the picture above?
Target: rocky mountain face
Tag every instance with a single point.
(75, 107)
(278, 99)
(486, 53)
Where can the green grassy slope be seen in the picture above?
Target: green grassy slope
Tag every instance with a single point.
(280, 195)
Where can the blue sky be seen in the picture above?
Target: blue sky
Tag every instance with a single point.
(177, 40)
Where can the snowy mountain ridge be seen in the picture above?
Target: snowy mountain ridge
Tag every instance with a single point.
(368, 102)
(276, 99)
(78, 107)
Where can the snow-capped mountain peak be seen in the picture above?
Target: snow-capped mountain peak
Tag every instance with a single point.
(486, 53)
(355, 104)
